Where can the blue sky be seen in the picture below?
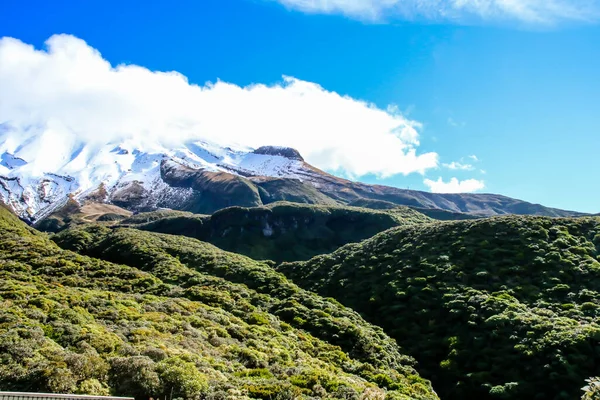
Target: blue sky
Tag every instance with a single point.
(520, 90)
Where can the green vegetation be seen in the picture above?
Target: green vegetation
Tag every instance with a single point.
(280, 231)
(435, 213)
(178, 318)
(499, 308)
(373, 204)
(146, 217)
(444, 215)
(591, 391)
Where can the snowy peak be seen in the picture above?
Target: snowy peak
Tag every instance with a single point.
(40, 171)
(37, 174)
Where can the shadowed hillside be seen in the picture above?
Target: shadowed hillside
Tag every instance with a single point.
(281, 231)
(498, 308)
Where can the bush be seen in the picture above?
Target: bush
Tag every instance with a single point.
(135, 376)
(181, 379)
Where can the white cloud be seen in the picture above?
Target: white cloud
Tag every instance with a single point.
(474, 157)
(454, 185)
(72, 92)
(454, 165)
(523, 11)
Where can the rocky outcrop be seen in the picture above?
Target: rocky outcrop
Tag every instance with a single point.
(286, 152)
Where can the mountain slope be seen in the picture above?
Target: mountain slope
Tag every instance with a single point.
(280, 231)
(195, 323)
(496, 308)
(435, 213)
(39, 173)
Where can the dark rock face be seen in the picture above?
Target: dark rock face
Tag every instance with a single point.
(286, 152)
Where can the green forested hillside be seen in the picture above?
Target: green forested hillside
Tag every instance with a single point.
(281, 231)
(497, 308)
(182, 319)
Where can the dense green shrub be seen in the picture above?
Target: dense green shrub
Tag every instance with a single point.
(494, 308)
(184, 320)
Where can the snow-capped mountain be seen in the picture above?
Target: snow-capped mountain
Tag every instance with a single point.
(41, 170)
(39, 174)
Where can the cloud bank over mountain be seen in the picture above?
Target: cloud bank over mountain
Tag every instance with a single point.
(69, 92)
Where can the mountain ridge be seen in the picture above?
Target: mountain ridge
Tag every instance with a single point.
(280, 231)
(201, 177)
